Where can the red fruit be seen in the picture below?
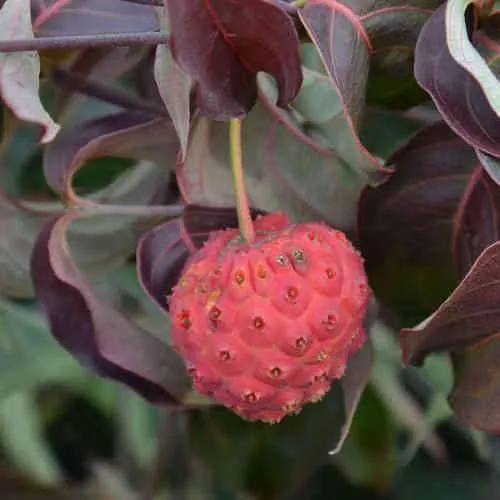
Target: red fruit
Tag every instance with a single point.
(265, 328)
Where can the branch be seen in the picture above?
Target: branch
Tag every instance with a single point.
(84, 41)
(97, 90)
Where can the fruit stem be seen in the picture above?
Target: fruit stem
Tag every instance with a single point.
(236, 158)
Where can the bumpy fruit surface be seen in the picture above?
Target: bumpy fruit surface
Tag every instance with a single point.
(265, 328)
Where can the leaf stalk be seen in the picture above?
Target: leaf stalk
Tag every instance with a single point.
(236, 159)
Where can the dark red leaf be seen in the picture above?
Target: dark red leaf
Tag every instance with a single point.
(89, 17)
(405, 225)
(222, 44)
(95, 333)
(457, 95)
(200, 220)
(477, 223)
(470, 314)
(161, 255)
(162, 252)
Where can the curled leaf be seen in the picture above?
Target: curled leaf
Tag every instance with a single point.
(464, 107)
(163, 251)
(95, 333)
(122, 135)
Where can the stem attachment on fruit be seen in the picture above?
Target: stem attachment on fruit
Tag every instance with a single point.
(236, 158)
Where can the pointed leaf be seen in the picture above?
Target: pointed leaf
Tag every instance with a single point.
(469, 315)
(464, 107)
(227, 44)
(95, 333)
(19, 72)
(353, 384)
(175, 89)
(344, 46)
(464, 53)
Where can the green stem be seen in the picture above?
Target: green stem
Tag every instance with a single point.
(298, 4)
(242, 207)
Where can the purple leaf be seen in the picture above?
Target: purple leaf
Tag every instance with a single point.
(476, 390)
(95, 333)
(463, 106)
(470, 314)
(161, 255)
(405, 225)
(163, 251)
(222, 44)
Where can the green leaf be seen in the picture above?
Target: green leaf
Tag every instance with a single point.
(19, 72)
(29, 356)
(174, 86)
(284, 169)
(22, 438)
(368, 457)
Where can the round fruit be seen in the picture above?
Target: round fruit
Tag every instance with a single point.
(265, 328)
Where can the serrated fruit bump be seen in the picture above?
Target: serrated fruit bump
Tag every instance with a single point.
(265, 328)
